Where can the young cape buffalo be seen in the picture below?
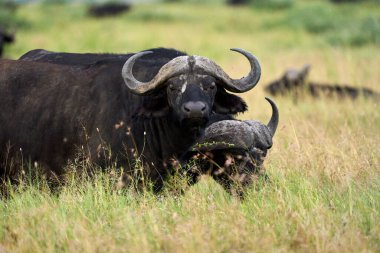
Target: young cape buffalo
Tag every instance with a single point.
(233, 151)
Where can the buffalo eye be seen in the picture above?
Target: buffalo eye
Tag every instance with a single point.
(211, 86)
(172, 88)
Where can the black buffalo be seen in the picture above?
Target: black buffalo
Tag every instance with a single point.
(108, 9)
(295, 82)
(5, 38)
(233, 151)
(146, 110)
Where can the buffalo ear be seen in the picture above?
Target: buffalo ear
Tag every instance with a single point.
(226, 103)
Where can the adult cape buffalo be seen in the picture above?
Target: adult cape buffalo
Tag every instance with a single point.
(153, 106)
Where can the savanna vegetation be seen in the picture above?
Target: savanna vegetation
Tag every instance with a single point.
(324, 168)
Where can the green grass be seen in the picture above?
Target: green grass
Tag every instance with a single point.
(356, 29)
(323, 194)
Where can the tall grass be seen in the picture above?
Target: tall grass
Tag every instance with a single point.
(323, 193)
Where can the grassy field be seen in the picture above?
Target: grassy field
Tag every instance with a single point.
(324, 167)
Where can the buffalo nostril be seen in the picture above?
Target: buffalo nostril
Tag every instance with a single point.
(194, 109)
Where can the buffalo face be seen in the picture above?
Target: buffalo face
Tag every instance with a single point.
(191, 97)
(233, 151)
(191, 88)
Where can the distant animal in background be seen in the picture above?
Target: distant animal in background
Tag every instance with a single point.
(108, 9)
(236, 2)
(4, 38)
(295, 82)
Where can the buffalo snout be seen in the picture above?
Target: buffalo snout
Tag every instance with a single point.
(196, 109)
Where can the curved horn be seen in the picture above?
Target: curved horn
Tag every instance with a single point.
(234, 85)
(176, 66)
(183, 64)
(273, 122)
(131, 82)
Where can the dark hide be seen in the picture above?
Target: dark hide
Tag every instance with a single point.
(52, 111)
(148, 66)
(5, 38)
(161, 56)
(340, 91)
(108, 9)
(295, 83)
(72, 59)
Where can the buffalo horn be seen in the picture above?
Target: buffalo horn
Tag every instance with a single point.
(234, 85)
(174, 67)
(273, 122)
(185, 64)
(235, 134)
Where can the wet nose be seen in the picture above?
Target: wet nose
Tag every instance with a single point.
(194, 109)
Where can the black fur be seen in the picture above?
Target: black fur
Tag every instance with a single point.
(226, 103)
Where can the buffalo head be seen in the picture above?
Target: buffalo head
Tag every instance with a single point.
(292, 80)
(191, 88)
(233, 151)
(244, 135)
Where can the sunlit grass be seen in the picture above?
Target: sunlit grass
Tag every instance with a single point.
(323, 193)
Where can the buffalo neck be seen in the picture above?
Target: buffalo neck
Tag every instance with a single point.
(161, 139)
